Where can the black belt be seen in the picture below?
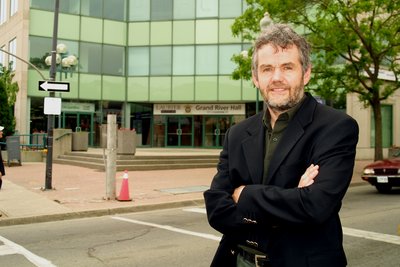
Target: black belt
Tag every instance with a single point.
(258, 260)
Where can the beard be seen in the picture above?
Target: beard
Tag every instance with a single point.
(284, 102)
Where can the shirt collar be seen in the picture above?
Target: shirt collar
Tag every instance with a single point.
(285, 116)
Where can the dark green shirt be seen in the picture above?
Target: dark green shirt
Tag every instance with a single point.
(274, 135)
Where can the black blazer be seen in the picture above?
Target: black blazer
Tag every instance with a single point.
(295, 226)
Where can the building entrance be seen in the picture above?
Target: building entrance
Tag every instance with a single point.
(179, 131)
(214, 129)
(79, 121)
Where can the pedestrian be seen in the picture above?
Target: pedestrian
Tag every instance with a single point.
(283, 173)
(2, 171)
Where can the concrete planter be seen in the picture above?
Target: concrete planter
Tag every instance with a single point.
(80, 141)
(126, 142)
(29, 156)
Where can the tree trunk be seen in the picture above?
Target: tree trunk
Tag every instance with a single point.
(376, 106)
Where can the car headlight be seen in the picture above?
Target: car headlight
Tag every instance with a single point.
(369, 171)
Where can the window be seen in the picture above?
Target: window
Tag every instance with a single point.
(183, 60)
(226, 65)
(39, 48)
(207, 59)
(161, 9)
(43, 4)
(160, 60)
(138, 61)
(184, 9)
(13, 50)
(92, 8)
(230, 8)
(13, 7)
(207, 8)
(387, 126)
(69, 7)
(139, 10)
(3, 11)
(113, 60)
(115, 10)
(90, 58)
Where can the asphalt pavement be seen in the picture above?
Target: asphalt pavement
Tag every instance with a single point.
(81, 192)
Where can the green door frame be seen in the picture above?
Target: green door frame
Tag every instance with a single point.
(217, 129)
(78, 117)
(179, 131)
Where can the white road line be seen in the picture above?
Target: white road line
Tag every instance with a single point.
(392, 239)
(170, 228)
(10, 247)
(196, 210)
(372, 235)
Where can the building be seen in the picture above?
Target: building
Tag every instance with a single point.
(162, 66)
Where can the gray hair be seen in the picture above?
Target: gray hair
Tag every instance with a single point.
(282, 36)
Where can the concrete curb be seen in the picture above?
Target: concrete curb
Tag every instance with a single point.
(98, 213)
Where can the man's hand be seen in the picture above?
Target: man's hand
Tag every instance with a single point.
(309, 175)
(236, 193)
(307, 179)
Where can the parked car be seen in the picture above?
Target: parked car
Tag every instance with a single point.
(383, 174)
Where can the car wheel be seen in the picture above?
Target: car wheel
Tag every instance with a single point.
(383, 188)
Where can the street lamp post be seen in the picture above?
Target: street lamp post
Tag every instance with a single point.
(65, 63)
(50, 117)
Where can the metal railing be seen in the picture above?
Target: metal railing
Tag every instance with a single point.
(36, 141)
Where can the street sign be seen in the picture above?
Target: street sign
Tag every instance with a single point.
(53, 86)
(52, 105)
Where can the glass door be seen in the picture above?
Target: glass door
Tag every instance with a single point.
(173, 131)
(179, 131)
(79, 121)
(215, 128)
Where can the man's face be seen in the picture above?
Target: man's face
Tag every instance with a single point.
(1, 134)
(280, 78)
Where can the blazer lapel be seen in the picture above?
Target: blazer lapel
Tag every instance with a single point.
(293, 133)
(253, 147)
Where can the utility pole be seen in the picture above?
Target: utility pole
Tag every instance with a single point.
(111, 167)
(50, 117)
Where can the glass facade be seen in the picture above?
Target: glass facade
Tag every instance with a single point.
(134, 53)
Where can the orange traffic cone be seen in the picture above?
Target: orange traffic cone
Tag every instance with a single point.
(124, 193)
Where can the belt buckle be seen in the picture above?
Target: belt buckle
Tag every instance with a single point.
(257, 257)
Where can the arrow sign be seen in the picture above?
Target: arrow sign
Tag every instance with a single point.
(53, 86)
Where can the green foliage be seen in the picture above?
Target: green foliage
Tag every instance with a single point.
(8, 94)
(362, 36)
(11, 88)
(352, 41)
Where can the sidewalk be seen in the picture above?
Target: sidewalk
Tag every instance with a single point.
(80, 192)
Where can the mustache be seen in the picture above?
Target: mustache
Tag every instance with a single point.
(278, 86)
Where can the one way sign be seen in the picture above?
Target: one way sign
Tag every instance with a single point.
(53, 86)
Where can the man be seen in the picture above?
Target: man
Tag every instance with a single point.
(2, 171)
(282, 175)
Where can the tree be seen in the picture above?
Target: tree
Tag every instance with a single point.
(8, 94)
(352, 41)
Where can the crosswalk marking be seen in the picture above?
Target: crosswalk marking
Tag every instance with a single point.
(170, 228)
(392, 239)
(10, 248)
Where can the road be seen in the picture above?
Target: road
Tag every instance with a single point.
(182, 237)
